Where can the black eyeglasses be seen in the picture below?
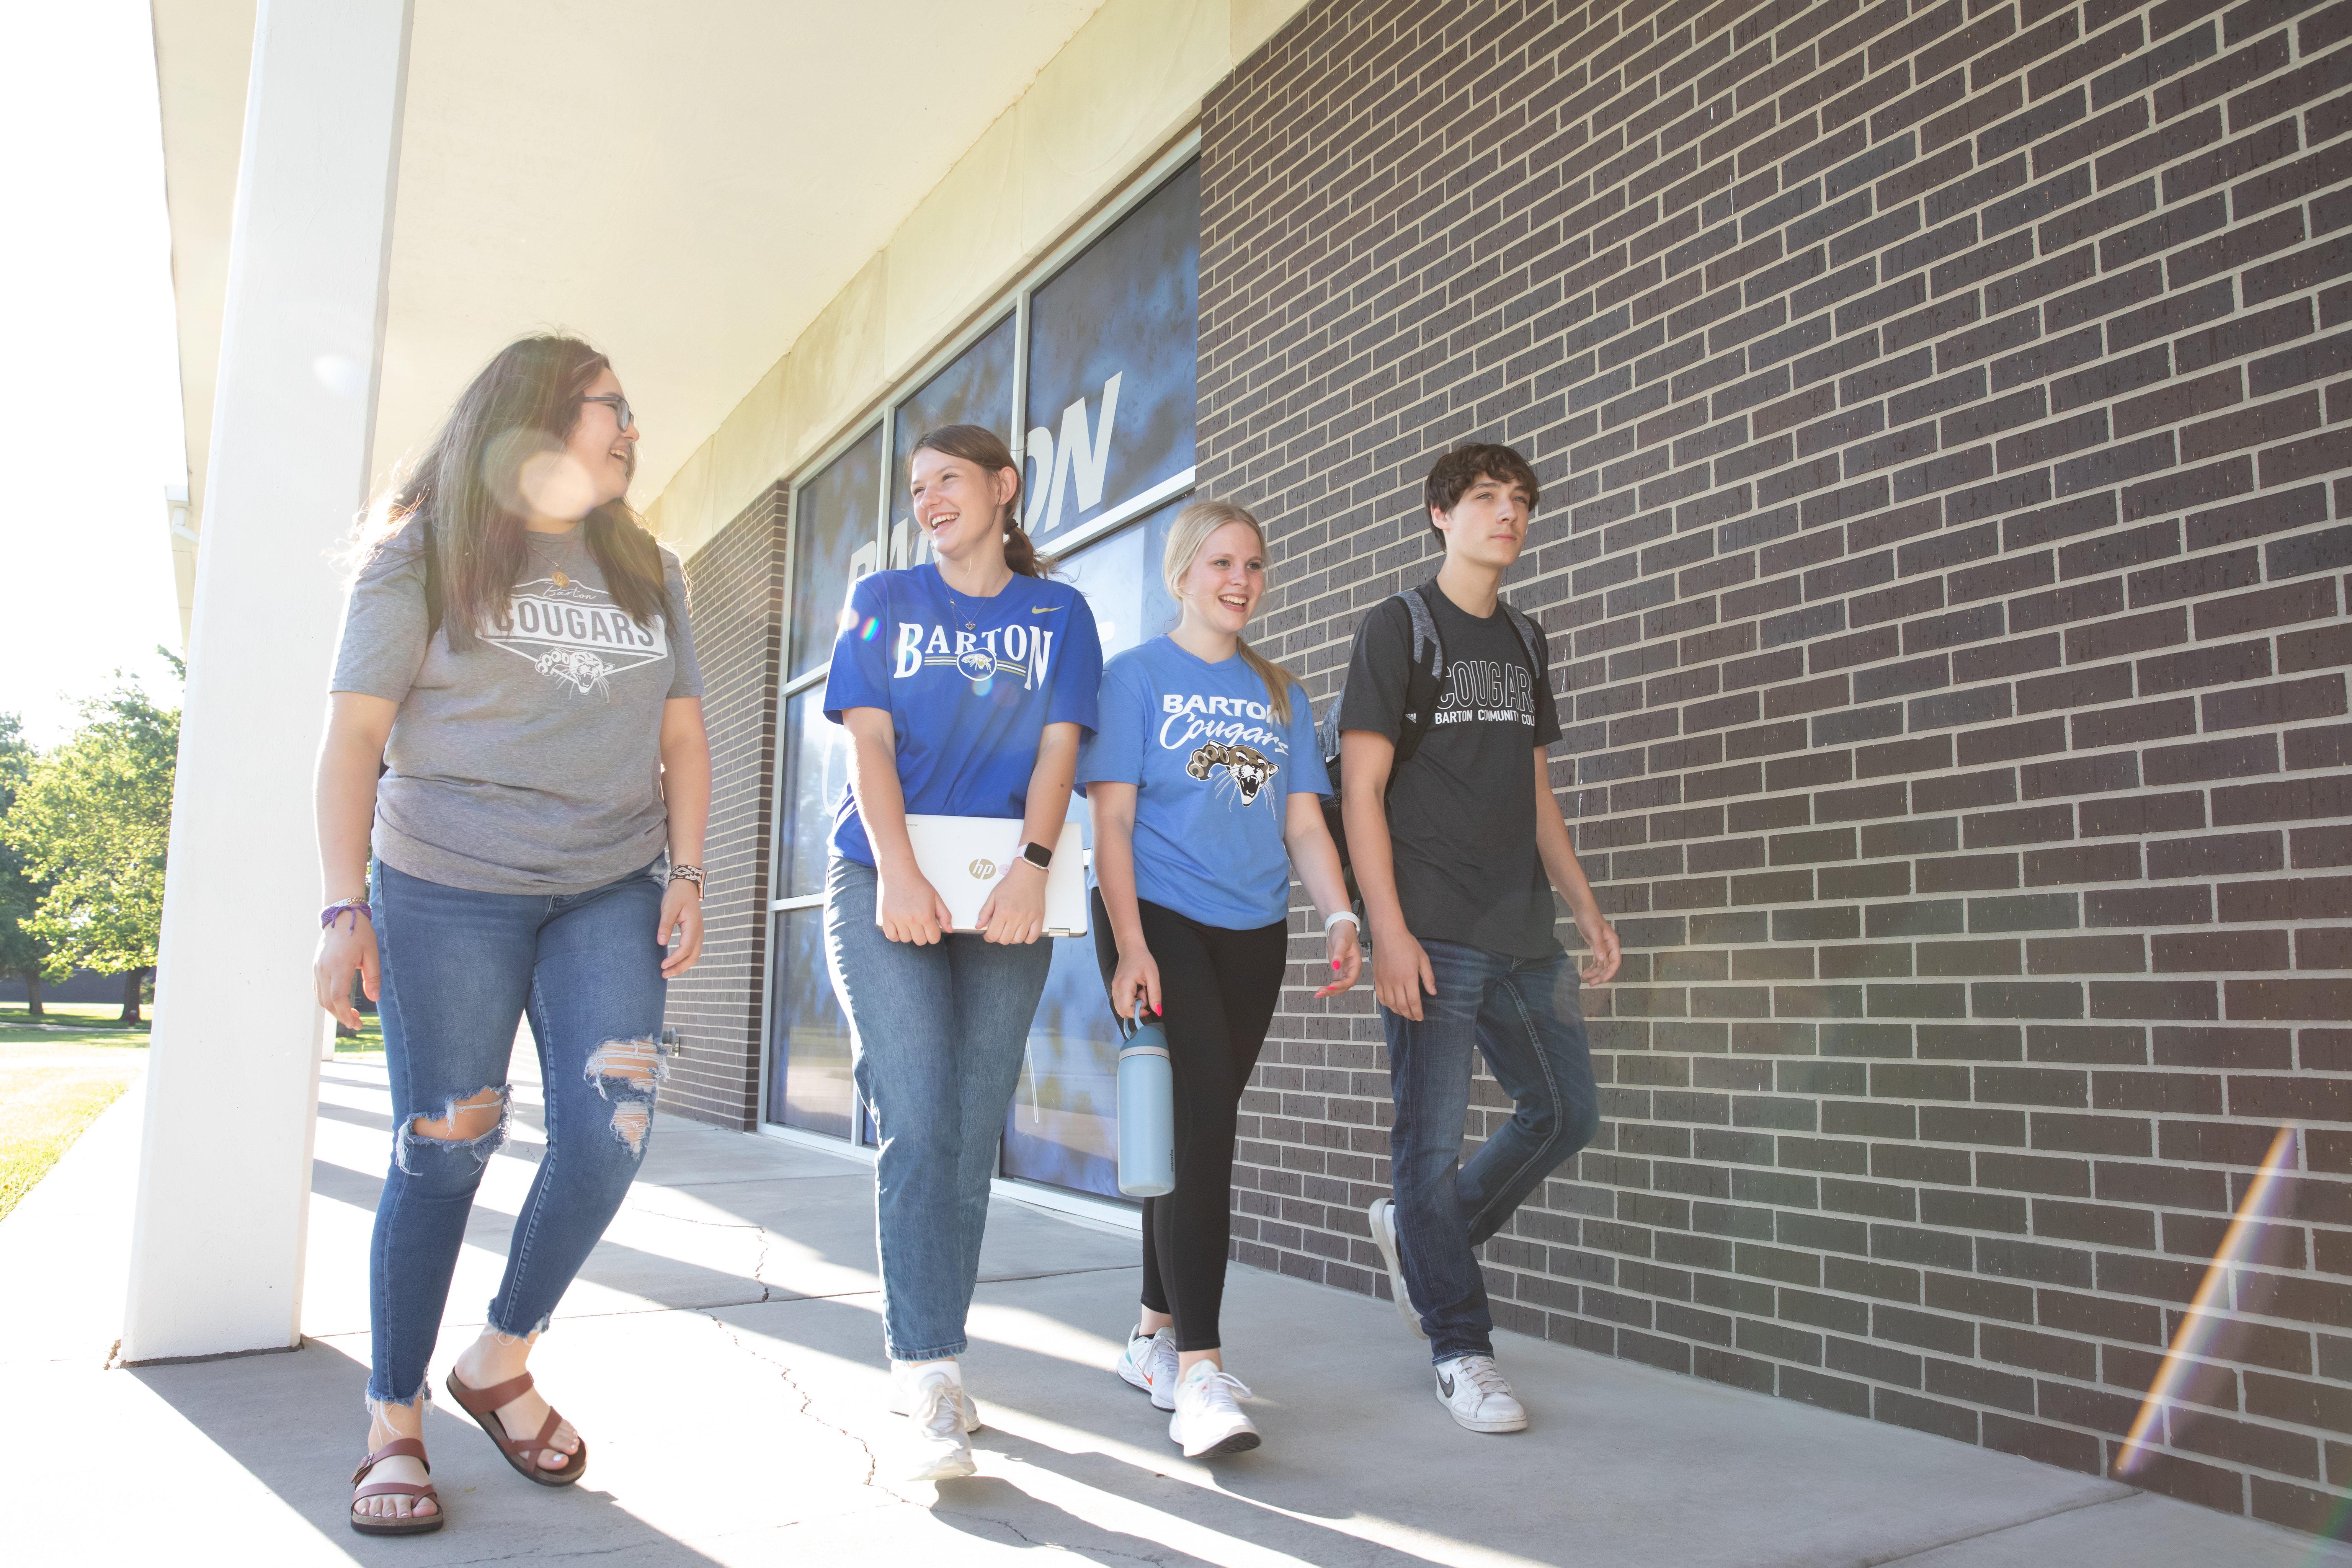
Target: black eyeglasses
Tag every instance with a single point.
(620, 407)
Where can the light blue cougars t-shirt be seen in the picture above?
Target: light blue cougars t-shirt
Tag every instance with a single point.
(1213, 774)
(969, 686)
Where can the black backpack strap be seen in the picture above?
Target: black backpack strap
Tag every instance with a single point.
(1530, 638)
(1424, 680)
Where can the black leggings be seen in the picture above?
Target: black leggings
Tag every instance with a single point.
(1219, 987)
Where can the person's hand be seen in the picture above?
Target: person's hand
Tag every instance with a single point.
(1602, 938)
(1400, 973)
(1014, 914)
(348, 944)
(1347, 958)
(1137, 977)
(910, 909)
(681, 912)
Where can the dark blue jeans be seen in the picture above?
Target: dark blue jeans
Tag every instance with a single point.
(460, 968)
(1521, 1014)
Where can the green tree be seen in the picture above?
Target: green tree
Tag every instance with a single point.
(93, 817)
(23, 955)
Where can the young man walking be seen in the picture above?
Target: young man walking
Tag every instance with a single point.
(1457, 844)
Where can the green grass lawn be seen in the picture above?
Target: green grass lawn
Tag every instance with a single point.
(56, 1076)
(54, 1082)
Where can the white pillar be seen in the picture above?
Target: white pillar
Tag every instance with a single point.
(225, 1168)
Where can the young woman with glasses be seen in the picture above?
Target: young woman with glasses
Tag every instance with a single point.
(1206, 787)
(966, 685)
(516, 734)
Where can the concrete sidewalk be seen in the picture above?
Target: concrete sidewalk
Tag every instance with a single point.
(722, 1352)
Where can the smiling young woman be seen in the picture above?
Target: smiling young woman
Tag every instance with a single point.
(965, 686)
(516, 730)
(1206, 787)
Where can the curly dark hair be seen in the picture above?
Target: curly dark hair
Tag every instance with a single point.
(1452, 475)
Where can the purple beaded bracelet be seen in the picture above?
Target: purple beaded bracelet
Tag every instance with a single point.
(334, 913)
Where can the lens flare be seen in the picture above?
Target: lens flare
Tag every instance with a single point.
(873, 625)
(2208, 1315)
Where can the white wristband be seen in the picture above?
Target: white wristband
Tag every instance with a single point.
(1348, 915)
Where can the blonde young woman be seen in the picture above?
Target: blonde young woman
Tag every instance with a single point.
(1205, 783)
(516, 665)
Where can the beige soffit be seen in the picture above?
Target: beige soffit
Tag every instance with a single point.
(688, 186)
(203, 48)
(1117, 94)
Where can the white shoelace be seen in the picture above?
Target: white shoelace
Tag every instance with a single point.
(1481, 1373)
(1217, 1391)
(940, 1414)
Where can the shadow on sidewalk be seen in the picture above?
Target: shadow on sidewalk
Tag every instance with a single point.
(267, 1413)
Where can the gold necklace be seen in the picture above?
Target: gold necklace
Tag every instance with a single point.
(561, 578)
(970, 618)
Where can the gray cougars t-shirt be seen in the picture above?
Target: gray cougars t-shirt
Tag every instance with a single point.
(530, 763)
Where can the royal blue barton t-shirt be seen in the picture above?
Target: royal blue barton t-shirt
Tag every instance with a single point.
(970, 685)
(1214, 773)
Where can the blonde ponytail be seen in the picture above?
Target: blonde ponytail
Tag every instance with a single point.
(1186, 535)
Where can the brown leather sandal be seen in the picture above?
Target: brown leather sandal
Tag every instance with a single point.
(482, 1405)
(415, 1524)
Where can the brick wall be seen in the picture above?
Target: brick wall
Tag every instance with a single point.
(1935, 408)
(738, 585)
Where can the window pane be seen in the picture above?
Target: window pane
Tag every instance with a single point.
(832, 546)
(808, 1063)
(816, 770)
(1112, 364)
(1063, 1125)
(975, 389)
(1120, 578)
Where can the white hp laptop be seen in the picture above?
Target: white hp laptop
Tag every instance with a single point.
(962, 857)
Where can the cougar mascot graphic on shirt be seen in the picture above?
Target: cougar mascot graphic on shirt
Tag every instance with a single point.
(1246, 766)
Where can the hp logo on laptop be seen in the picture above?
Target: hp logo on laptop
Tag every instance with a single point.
(982, 869)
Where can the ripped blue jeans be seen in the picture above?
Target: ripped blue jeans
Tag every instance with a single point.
(459, 969)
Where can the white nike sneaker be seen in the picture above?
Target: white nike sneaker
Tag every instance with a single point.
(905, 1388)
(939, 1450)
(1473, 1392)
(1207, 1421)
(1383, 1213)
(1148, 1362)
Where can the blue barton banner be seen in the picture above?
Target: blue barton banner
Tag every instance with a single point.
(1113, 361)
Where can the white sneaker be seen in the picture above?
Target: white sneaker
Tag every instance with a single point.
(1148, 1362)
(906, 1394)
(1207, 1421)
(939, 1450)
(1383, 1213)
(1474, 1394)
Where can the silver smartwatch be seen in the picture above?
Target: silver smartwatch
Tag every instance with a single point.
(1037, 855)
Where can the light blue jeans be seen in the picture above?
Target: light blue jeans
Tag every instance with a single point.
(938, 1033)
(460, 969)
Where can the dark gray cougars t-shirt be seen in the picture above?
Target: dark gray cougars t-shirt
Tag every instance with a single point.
(1461, 813)
(531, 762)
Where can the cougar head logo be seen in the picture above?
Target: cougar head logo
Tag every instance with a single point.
(1246, 766)
(584, 671)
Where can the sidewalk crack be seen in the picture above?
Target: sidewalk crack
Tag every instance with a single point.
(808, 1401)
(1913, 1553)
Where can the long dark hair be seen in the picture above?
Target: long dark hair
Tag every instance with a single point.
(460, 500)
(977, 444)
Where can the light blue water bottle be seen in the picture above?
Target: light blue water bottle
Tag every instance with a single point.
(1147, 1114)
